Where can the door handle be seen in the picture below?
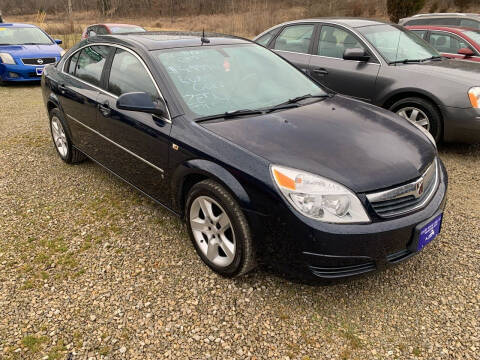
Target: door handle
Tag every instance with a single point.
(105, 109)
(320, 71)
(62, 89)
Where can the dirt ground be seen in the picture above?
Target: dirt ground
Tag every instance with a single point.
(89, 268)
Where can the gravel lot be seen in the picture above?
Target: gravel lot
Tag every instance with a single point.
(89, 268)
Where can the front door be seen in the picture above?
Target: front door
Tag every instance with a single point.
(349, 77)
(449, 44)
(139, 142)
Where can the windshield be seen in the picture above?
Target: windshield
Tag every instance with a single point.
(396, 44)
(474, 35)
(217, 79)
(126, 29)
(23, 36)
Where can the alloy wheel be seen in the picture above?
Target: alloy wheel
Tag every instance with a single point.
(212, 231)
(59, 137)
(415, 115)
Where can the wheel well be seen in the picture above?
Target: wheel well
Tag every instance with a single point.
(404, 95)
(188, 183)
(50, 106)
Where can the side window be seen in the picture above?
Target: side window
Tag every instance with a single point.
(91, 62)
(129, 75)
(102, 30)
(445, 21)
(92, 31)
(295, 38)
(72, 63)
(265, 39)
(334, 41)
(446, 43)
(470, 23)
(420, 33)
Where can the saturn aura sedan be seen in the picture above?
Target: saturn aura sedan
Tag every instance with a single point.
(318, 184)
(388, 66)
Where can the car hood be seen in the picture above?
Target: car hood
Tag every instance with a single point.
(21, 51)
(459, 71)
(358, 145)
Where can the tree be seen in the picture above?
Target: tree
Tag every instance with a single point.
(398, 9)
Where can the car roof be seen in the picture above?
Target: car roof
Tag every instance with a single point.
(158, 40)
(17, 25)
(116, 24)
(346, 21)
(455, 29)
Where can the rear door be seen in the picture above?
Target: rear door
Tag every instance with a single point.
(139, 143)
(349, 77)
(294, 43)
(78, 93)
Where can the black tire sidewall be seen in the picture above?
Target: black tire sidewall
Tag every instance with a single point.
(239, 226)
(57, 113)
(436, 126)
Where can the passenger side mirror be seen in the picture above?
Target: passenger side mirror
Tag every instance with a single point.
(142, 102)
(357, 54)
(58, 41)
(466, 52)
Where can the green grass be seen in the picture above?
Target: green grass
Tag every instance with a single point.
(34, 343)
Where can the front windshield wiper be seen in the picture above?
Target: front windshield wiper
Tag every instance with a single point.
(229, 114)
(291, 103)
(412, 61)
(33, 43)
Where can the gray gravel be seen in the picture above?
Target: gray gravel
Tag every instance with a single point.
(90, 267)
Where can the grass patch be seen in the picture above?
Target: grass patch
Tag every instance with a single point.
(34, 343)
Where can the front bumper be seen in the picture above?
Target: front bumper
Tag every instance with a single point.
(462, 125)
(19, 73)
(307, 248)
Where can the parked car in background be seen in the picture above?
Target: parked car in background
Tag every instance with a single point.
(105, 29)
(256, 156)
(444, 19)
(388, 66)
(451, 42)
(24, 52)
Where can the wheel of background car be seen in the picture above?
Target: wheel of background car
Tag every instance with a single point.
(219, 229)
(62, 141)
(421, 111)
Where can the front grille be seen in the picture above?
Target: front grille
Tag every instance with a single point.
(38, 61)
(34, 75)
(406, 198)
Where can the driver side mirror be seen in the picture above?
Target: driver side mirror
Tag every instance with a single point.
(466, 52)
(58, 41)
(357, 54)
(142, 102)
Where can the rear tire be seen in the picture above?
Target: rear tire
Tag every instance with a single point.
(61, 139)
(219, 229)
(423, 112)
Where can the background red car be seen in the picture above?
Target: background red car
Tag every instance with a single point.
(451, 42)
(105, 29)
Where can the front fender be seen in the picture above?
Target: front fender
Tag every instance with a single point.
(385, 96)
(203, 169)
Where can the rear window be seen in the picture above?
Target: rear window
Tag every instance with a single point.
(125, 29)
(91, 62)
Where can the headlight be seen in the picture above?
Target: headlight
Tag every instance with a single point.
(7, 58)
(319, 198)
(474, 95)
(62, 53)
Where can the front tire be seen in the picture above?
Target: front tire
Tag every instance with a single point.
(422, 112)
(219, 229)
(62, 141)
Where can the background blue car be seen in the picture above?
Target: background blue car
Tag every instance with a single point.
(24, 51)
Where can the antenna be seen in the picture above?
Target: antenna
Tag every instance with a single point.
(203, 39)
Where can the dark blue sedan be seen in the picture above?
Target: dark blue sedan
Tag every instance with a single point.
(262, 162)
(24, 52)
